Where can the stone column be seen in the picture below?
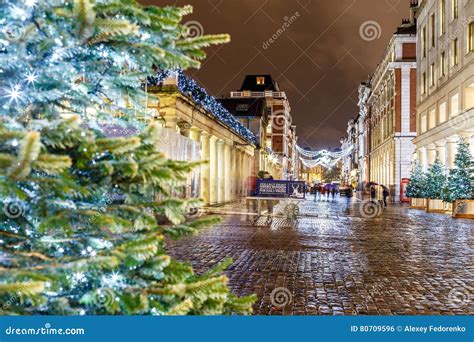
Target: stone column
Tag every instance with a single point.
(220, 172)
(171, 121)
(234, 172)
(205, 167)
(431, 150)
(441, 150)
(213, 173)
(451, 148)
(228, 173)
(238, 179)
(195, 134)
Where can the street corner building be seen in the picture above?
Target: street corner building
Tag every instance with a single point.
(230, 136)
(381, 134)
(262, 107)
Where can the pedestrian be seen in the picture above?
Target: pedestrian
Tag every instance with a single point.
(333, 193)
(317, 192)
(385, 194)
(373, 193)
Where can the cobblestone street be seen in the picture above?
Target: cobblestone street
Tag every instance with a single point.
(334, 261)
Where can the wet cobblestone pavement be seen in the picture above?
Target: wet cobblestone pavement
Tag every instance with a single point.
(336, 260)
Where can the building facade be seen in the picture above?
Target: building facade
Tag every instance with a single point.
(392, 104)
(445, 109)
(227, 148)
(280, 133)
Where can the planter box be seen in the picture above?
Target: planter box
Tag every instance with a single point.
(436, 206)
(418, 203)
(463, 209)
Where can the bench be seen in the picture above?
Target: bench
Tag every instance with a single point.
(291, 207)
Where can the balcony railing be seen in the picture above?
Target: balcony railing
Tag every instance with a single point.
(256, 94)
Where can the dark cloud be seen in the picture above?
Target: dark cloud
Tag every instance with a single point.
(319, 60)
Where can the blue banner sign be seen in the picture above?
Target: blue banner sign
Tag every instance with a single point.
(237, 329)
(281, 189)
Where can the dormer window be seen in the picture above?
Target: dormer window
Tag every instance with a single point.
(260, 80)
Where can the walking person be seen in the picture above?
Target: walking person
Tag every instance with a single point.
(385, 194)
(373, 194)
(317, 192)
(333, 193)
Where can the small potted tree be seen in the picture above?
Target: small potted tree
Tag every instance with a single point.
(435, 183)
(416, 188)
(459, 189)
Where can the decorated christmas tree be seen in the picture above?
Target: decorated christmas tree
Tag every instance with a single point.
(417, 186)
(459, 185)
(78, 226)
(435, 180)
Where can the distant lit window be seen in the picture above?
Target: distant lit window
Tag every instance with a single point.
(455, 51)
(454, 105)
(442, 112)
(432, 74)
(470, 37)
(432, 29)
(469, 95)
(423, 83)
(432, 119)
(442, 17)
(423, 41)
(260, 80)
(443, 64)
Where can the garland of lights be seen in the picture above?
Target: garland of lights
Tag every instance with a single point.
(189, 87)
(324, 158)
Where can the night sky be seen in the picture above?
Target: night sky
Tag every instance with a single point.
(319, 61)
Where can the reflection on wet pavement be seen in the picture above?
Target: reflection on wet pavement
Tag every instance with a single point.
(336, 260)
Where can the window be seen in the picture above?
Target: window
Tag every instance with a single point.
(432, 29)
(454, 105)
(455, 50)
(432, 119)
(442, 17)
(432, 74)
(443, 64)
(442, 112)
(455, 8)
(470, 37)
(423, 123)
(423, 41)
(260, 80)
(423, 83)
(469, 95)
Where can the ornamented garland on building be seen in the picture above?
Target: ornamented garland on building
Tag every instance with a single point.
(189, 87)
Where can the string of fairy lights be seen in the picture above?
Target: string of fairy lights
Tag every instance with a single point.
(325, 158)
